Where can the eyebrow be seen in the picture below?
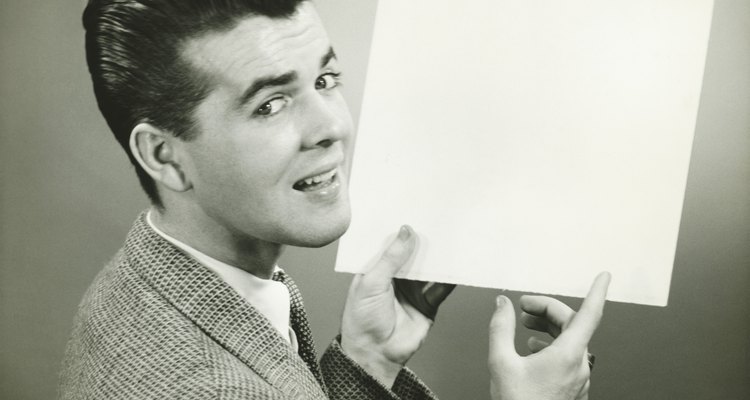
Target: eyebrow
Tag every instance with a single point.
(330, 55)
(266, 82)
(278, 80)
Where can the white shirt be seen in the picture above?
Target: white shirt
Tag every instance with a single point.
(269, 297)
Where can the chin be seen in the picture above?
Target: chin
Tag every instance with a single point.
(321, 234)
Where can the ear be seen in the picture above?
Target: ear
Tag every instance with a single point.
(156, 152)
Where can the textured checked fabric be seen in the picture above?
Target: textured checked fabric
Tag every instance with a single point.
(155, 324)
(346, 380)
(298, 322)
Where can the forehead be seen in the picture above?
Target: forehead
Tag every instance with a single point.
(259, 45)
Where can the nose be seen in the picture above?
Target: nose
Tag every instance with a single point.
(327, 121)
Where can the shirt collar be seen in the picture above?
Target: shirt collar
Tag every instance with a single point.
(269, 297)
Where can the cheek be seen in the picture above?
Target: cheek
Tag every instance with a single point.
(247, 169)
(343, 110)
(237, 155)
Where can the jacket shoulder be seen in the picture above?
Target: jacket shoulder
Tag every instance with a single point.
(128, 341)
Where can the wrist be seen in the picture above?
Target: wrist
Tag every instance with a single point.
(372, 361)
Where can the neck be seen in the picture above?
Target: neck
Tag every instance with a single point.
(250, 254)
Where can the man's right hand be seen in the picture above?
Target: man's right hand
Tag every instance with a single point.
(556, 371)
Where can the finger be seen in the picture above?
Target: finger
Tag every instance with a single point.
(584, 323)
(393, 258)
(589, 359)
(584, 393)
(536, 345)
(540, 324)
(424, 296)
(502, 332)
(411, 292)
(553, 310)
(437, 293)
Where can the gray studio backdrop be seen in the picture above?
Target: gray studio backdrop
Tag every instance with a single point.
(69, 196)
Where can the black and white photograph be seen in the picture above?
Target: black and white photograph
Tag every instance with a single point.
(375, 199)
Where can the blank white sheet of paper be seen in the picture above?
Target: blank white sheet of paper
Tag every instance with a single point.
(530, 143)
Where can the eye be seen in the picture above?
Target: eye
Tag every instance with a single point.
(327, 81)
(271, 107)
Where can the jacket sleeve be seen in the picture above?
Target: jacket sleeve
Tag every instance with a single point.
(345, 379)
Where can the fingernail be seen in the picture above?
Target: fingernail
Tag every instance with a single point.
(404, 233)
(500, 301)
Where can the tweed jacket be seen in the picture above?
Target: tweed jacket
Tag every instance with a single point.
(156, 324)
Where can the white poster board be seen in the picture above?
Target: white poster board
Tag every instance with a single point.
(530, 143)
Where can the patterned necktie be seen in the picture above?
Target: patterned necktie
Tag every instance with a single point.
(298, 322)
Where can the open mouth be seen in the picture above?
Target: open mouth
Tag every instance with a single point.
(316, 182)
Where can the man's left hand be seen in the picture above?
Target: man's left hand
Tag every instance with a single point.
(382, 327)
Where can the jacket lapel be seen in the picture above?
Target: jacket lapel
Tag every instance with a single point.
(219, 311)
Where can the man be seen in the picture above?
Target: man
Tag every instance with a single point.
(230, 113)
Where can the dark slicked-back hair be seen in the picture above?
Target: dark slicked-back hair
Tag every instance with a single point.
(133, 53)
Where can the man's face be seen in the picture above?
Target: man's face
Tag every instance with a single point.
(269, 159)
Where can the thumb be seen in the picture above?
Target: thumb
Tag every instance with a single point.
(502, 332)
(395, 256)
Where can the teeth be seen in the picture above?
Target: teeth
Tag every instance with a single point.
(320, 178)
(324, 177)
